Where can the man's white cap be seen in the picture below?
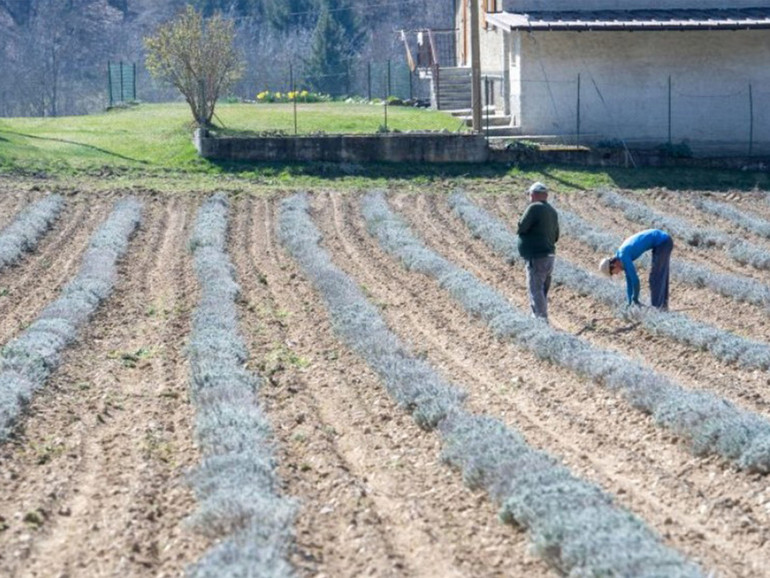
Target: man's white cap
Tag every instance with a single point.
(537, 187)
(604, 266)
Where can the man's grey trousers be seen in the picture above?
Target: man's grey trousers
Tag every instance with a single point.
(539, 282)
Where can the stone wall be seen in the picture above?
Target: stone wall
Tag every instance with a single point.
(398, 147)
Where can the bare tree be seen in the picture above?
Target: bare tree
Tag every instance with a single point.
(198, 57)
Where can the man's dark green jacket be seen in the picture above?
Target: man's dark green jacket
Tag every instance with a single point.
(538, 231)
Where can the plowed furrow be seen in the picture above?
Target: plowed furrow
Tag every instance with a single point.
(338, 528)
(118, 428)
(11, 202)
(36, 280)
(597, 436)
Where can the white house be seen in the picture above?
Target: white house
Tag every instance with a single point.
(638, 71)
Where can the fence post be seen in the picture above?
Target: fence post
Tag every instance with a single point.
(109, 82)
(389, 88)
(369, 79)
(669, 109)
(294, 93)
(751, 121)
(385, 99)
(121, 81)
(486, 101)
(578, 112)
(347, 78)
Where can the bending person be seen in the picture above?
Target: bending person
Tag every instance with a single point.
(661, 244)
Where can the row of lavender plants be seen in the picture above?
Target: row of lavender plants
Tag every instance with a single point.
(236, 483)
(744, 220)
(743, 252)
(724, 345)
(26, 229)
(737, 287)
(574, 525)
(28, 360)
(709, 423)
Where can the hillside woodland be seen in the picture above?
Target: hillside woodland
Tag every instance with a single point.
(55, 52)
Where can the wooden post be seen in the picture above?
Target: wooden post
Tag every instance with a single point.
(577, 127)
(751, 121)
(669, 109)
(475, 66)
(294, 92)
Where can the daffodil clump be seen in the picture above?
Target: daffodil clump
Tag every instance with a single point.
(291, 96)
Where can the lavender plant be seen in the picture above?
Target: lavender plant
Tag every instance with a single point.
(709, 423)
(236, 483)
(743, 252)
(28, 360)
(26, 229)
(744, 220)
(724, 345)
(574, 525)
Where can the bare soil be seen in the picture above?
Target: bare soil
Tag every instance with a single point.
(93, 479)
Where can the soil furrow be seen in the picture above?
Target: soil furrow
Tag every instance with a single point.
(35, 281)
(337, 527)
(11, 203)
(615, 446)
(118, 429)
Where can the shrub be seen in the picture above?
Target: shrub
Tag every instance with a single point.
(744, 220)
(26, 229)
(236, 483)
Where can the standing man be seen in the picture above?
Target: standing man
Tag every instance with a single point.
(632, 248)
(538, 232)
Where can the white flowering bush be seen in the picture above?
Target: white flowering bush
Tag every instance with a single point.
(236, 484)
(23, 233)
(746, 221)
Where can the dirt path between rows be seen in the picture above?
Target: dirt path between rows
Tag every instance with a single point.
(106, 444)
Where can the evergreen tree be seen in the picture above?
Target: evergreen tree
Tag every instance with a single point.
(285, 14)
(336, 37)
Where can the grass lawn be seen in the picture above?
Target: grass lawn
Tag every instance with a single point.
(150, 146)
(158, 136)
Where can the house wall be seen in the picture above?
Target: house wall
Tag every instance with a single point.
(624, 86)
(545, 5)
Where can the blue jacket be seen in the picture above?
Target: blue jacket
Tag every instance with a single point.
(631, 249)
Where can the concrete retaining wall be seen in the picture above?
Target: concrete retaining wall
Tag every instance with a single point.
(400, 147)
